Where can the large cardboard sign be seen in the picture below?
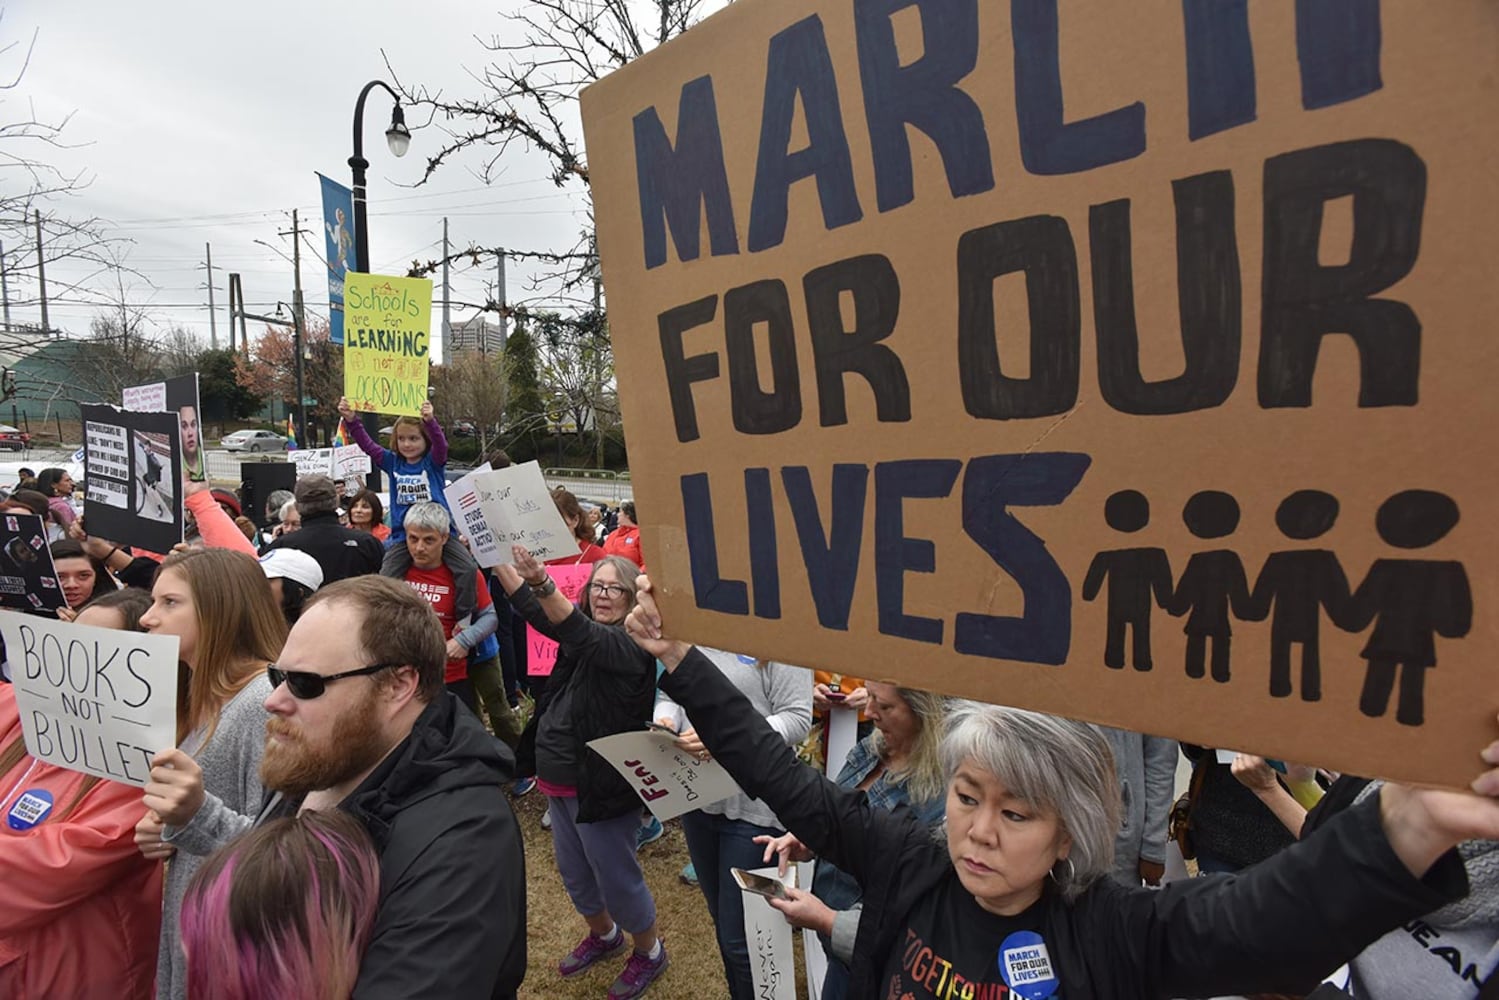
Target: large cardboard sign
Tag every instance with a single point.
(1126, 361)
(133, 469)
(28, 579)
(180, 395)
(387, 323)
(94, 700)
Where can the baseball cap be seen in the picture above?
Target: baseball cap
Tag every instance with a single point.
(293, 565)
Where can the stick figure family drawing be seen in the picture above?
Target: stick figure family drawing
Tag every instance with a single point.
(1408, 601)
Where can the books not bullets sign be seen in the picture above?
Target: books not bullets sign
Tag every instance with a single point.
(518, 509)
(669, 781)
(94, 700)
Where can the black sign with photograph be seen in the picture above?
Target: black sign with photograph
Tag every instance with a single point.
(133, 474)
(28, 580)
(180, 395)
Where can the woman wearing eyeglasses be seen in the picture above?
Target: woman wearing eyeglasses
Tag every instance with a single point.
(602, 684)
(206, 791)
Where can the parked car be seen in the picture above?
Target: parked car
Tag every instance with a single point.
(464, 429)
(253, 441)
(13, 438)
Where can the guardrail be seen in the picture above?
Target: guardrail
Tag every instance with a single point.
(592, 484)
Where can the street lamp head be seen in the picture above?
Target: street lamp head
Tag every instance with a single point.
(398, 136)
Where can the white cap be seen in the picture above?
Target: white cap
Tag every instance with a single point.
(293, 565)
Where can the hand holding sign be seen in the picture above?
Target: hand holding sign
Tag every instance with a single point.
(175, 791)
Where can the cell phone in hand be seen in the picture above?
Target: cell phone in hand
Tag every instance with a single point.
(657, 727)
(758, 884)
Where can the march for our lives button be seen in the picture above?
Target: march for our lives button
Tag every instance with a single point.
(30, 809)
(1025, 965)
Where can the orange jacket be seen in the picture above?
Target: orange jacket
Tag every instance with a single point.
(80, 909)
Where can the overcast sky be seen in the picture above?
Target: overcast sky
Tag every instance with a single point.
(204, 122)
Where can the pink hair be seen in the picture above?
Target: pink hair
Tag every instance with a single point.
(284, 912)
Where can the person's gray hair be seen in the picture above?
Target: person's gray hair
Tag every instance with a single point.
(1058, 766)
(623, 568)
(429, 516)
(285, 509)
(278, 500)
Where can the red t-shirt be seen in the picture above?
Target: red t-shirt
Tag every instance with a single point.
(436, 585)
(587, 553)
(625, 542)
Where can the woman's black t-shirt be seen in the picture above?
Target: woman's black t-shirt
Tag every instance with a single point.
(954, 949)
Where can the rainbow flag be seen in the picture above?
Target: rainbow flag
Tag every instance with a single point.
(341, 436)
(291, 434)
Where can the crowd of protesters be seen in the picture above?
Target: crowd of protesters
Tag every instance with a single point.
(349, 742)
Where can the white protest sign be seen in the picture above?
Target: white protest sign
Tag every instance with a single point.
(669, 781)
(145, 398)
(814, 957)
(94, 700)
(312, 461)
(468, 516)
(349, 460)
(772, 960)
(519, 510)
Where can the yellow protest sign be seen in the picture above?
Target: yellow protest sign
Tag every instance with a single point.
(1129, 361)
(387, 325)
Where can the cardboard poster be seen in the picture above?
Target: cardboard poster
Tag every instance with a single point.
(541, 652)
(180, 395)
(518, 508)
(28, 580)
(133, 473)
(1130, 362)
(669, 781)
(94, 700)
(387, 326)
(463, 501)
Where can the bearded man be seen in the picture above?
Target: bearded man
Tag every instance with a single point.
(361, 721)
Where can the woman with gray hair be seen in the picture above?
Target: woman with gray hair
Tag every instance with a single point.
(1012, 899)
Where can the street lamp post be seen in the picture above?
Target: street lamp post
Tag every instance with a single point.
(398, 138)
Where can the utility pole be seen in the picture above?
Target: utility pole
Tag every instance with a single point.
(299, 324)
(500, 297)
(213, 323)
(41, 275)
(447, 317)
(237, 309)
(4, 287)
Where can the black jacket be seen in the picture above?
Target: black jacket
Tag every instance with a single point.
(341, 552)
(452, 919)
(1280, 927)
(614, 692)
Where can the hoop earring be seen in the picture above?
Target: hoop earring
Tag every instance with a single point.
(1071, 872)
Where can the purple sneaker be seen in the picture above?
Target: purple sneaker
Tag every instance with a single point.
(590, 950)
(640, 972)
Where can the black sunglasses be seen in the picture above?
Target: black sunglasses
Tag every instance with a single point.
(305, 685)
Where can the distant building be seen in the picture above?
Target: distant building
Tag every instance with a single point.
(476, 334)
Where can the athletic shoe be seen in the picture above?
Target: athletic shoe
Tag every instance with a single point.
(546, 819)
(640, 972)
(648, 833)
(689, 875)
(590, 950)
(521, 786)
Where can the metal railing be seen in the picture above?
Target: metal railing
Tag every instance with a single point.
(601, 485)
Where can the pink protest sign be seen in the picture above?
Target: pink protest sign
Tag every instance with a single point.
(541, 652)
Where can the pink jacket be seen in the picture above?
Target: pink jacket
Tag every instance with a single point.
(80, 909)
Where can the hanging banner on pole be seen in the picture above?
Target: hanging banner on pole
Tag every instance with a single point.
(338, 238)
(387, 323)
(1123, 361)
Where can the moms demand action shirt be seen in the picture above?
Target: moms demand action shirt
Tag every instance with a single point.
(436, 585)
(954, 949)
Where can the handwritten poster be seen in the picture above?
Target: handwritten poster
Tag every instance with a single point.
(1131, 362)
(518, 508)
(387, 326)
(94, 700)
(771, 957)
(541, 652)
(669, 781)
(463, 500)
